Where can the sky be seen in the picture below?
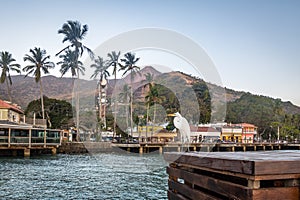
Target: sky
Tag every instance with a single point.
(254, 45)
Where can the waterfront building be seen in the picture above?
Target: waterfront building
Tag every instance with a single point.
(11, 112)
(204, 134)
(248, 132)
(231, 133)
(243, 132)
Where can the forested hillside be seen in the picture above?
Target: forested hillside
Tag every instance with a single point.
(265, 112)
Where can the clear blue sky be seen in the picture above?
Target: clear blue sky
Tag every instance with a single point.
(255, 45)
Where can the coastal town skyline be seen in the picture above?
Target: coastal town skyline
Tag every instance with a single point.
(254, 45)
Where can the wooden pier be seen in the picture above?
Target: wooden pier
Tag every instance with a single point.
(162, 147)
(234, 175)
(25, 140)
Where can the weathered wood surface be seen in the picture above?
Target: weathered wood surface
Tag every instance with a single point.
(280, 193)
(189, 192)
(251, 163)
(224, 188)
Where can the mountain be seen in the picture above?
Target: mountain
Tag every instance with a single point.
(25, 89)
(240, 105)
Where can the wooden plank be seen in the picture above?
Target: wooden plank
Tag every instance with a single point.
(221, 187)
(174, 196)
(251, 163)
(189, 192)
(286, 193)
(283, 167)
(245, 176)
(239, 166)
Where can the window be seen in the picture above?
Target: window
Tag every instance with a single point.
(19, 133)
(3, 132)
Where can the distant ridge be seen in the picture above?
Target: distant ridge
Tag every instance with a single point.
(25, 90)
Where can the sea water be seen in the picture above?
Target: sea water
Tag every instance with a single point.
(98, 176)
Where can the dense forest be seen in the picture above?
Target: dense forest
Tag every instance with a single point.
(266, 113)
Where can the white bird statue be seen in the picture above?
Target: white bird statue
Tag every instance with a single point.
(183, 126)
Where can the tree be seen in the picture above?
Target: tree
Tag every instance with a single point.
(130, 66)
(74, 33)
(70, 63)
(39, 63)
(7, 65)
(124, 96)
(149, 83)
(59, 112)
(114, 62)
(152, 98)
(100, 70)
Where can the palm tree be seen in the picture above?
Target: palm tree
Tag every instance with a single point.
(39, 64)
(130, 66)
(114, 62)
(153, 98)
(74, 33)
(100, 70)
(124, 95)
(149, 83)
(69, 63)
(6, 65)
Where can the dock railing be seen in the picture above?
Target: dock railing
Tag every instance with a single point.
(27, 136)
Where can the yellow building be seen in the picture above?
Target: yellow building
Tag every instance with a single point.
(10, 112)
(243, 133)
(149, 129)
(232, 133)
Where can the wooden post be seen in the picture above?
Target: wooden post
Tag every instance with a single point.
(264, 147)
(232, 149)
(160, 150)
(26, 152)
(254, 147)
(9, 135)
(141, 151)
(53, 151)
(244, 148)
(45, 140)
(29, 142)
(195, 148)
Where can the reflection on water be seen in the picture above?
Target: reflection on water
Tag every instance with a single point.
(101, 176)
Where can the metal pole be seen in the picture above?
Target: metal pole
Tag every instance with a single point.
(278, 133)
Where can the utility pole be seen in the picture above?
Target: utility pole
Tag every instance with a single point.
(277, 133)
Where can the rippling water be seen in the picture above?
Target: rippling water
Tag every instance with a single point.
(101, 176)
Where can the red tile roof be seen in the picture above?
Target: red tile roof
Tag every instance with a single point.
(6, 105)
(247, 125)
(203, 129)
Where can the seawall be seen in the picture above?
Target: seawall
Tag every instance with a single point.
(84, 147)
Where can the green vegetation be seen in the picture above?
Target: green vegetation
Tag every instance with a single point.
(129, 65)
(59, 113)
(38, 63)
(266, 113)
(152, 101)
(7, 65)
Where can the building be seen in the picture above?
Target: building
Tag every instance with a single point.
(11, 112)
(206, 134)
(243, 133)
(248, 132)
(231, 133)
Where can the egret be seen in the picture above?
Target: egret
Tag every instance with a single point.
(183, 126)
